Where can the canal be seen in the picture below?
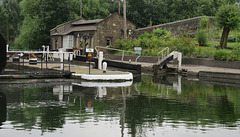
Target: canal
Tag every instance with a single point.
(168, 106)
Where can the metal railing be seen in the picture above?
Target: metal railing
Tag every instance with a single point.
(164, 53)
(43, 55)
(123, 52)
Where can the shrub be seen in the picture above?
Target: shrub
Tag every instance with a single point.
(202, 37)
(233, 39)
(221, 54)
(204, 22)
(162, 33)
(203, 52)
(145, 35)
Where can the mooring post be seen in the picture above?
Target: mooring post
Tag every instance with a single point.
(179, 61)
(100, 59)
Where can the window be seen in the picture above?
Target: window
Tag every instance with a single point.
(109, 42)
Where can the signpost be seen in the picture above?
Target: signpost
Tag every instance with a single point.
(138, 50)
(89, 53)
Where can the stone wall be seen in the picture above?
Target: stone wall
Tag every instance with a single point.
(3, 53)
(111, 28)
(176, 27)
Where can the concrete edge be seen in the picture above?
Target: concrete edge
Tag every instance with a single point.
(104, 84)
(222, 75)
(125, 77)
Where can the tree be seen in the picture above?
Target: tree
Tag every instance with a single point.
(39, 17)
(10, 19)
(228, 18)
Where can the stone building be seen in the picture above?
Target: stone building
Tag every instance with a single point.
(81, 33)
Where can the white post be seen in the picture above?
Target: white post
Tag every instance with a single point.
(47, 52)
(7, 46)
(61, 59)
(100, 59)
(179, 61)
(43, 51)
(104, 67)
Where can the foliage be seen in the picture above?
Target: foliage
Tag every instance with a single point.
(228, 18)
(39, 17)
(234, 39)
(202, 37)
(153, 43)
(203, 52)
(162, 33)
(10, 19)
(204, 22)
(145, 12)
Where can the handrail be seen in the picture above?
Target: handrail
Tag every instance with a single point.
(123, 51)
(167, 52)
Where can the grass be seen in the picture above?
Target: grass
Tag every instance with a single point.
(229, 44)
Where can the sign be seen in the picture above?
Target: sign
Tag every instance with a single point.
(138, 50)
(89, 50)
(89, 56)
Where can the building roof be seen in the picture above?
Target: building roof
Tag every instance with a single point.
(77, 29)
(84, 22)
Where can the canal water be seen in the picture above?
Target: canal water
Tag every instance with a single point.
(168, 106)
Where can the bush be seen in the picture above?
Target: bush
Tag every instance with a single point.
(202, 37)
(204, 22)
(233, 39)
(221, 54)
(162, 33)
(203, 52)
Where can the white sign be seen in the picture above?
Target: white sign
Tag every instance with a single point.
(137, 48)
(89, 50)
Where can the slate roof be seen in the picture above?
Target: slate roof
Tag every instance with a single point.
(84, 22)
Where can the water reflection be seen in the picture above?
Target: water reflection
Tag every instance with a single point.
(163, 106)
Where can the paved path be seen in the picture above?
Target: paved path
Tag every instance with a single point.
(196, 68)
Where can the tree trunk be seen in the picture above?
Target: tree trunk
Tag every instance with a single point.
(224, 38)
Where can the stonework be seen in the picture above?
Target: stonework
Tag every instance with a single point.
(90, 33)
(176, 28)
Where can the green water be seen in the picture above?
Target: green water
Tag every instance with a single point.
(164, 106)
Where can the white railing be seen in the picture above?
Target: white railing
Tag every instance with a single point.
(164, 53)
(123, 52)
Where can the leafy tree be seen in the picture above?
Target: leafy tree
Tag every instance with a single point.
(228, 18)
(10, 19)
(39, 17)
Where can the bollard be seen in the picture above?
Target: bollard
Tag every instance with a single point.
(104, 67)
(179, 61)
(100, 59)
(61, 60)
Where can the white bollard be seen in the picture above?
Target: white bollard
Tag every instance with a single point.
(179, 61)
(7, 46)
(61, 59)
(100, 59)
(104, 67)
